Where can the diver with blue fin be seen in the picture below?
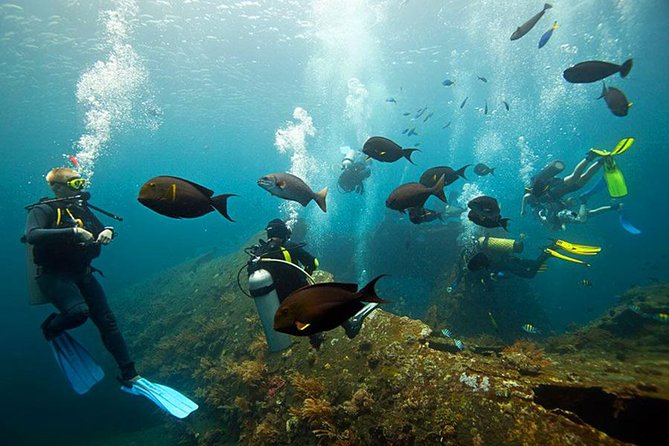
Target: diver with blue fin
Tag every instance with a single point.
(63, 236)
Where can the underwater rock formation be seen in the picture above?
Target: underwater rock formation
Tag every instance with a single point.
(395, 383)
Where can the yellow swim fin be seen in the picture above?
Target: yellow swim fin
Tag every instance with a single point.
(622, 146)
(585, 250)
(615, 181)
(557, 255)
(600, 152)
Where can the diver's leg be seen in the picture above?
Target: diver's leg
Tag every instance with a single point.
(601, 210)
(62, 292)
(592, 170)
(578, 171)
(105, 320)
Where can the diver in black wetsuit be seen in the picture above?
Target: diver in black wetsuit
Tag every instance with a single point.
(66, 236)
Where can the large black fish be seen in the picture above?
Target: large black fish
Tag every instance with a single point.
(482, 170)
(484, 205)
(615, 100)
(290, 187)
(527, 26)
(488, 221)
(179, 198)
(430, 176)
(422, 215)
(595, 70)
(412, 195)
(321, 307)
(384, 150)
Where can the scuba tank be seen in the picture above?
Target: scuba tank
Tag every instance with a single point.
(261, 287)
(549, 171)
(501, 245)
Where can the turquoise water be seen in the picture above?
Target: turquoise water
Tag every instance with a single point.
(224, 92)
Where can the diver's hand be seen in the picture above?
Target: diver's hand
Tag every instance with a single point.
(82, 235)
(105, 236)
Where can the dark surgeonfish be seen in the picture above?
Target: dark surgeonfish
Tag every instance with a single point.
(464, 102)
(413, 195)
(527, 26)
(429, 115)
(485, 110)
(421, 215)
(506, 105)
(615, 100)
(482, 79)
(482, 170)
(290, 187)
(412, 132)
(391, 100)
(179, 198)
(384, 150)
(447, 83)
(485, 212)
(322, 307)
(447, 125)
(430, 176)
(595, 70)
(478, 262)
(420, 112)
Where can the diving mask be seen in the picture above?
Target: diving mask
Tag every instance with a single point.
(76, 183)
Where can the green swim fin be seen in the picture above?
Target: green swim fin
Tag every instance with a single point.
(615, 181)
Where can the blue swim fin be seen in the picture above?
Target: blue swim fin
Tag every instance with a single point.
(77, 364)
(627, 226)
(162, 396)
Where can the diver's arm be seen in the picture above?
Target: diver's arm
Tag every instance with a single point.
(523, 204)
(37, 232)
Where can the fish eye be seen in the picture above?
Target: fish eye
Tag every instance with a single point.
(152, 184)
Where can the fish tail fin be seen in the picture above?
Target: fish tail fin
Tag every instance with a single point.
(461, 171)
(547, 6)
(319, 198)
(492, 171)
(625, 68)
(368, 293)
(438, 189)
(220, 203)
(406, 153)
(504, 223)
(603, 91)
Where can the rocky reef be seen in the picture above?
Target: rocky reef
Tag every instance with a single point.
(399, 382)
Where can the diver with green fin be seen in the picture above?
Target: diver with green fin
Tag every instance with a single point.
(63, 236)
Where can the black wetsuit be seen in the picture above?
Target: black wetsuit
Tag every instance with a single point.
(65, 275)
(286, 278)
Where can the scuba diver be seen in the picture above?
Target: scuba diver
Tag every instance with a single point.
(547, 190)
(354, 172)
(289, 266)
(492, 258)
(63, 237)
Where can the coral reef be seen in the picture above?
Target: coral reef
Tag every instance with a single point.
(395, 383)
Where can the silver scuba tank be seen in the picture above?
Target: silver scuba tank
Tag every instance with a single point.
(261, 287)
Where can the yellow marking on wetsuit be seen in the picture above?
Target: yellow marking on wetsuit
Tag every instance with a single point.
(315, 263)
(286, 255)
(174, 191)
(60, 215)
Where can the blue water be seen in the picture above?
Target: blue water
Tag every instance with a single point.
(199, 89)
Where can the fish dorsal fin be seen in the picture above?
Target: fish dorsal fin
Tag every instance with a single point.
(204, 190)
